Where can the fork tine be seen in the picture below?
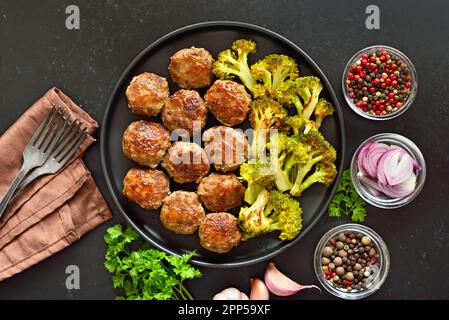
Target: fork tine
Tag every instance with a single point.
(74, 146)
(68, 131)
(47, 131)
(54, 132)
(57, 138)
(43, 124)
(70, 134)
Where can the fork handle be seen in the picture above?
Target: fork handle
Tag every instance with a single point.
(25, 182)
(7, 197)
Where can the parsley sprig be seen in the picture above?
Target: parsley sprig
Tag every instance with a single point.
(144, 273)
(347, 200)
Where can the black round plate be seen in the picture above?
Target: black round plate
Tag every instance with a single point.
(215, 37)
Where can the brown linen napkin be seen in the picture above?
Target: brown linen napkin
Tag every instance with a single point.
(56, 210)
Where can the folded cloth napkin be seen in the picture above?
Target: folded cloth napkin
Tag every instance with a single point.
(54, 211)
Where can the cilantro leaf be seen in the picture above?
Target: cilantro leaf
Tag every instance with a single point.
(347, 201)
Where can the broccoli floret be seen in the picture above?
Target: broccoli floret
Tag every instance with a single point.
(295, 123)
(287, 94)
(299, 124)
(265, 114)
(252, 220)
(323, 109)
(303, 93)
(272, 211)
(318, 151)
(286, 155)
(309, 125)
(271, 72)
(258, 175)
(284, 214)
(309, 89)
(234, 62)
(325, 173)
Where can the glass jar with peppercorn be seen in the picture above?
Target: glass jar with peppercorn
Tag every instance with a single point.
(379, 82)
(351, 261)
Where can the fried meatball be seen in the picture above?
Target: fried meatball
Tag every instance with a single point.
(183, 109)
(146, 187)
(228, 101)
(147, 94)
(221, 192)
(186, 162)
(182, 212)
(191, 68)
(145, 142)
(227, 148)
(219, 232)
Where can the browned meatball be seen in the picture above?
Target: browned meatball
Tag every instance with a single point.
(219, 232)
(191, 68)
(221, 192)
(228, 101)
(186, 162)
(145, 142)
(146, 187)
(184, 109)
(182, 212)
(227, 148)
(147, 94)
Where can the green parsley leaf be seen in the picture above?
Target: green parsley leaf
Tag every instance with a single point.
(143, 273)
(347, 201)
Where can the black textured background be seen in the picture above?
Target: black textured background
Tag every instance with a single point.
(38, 52)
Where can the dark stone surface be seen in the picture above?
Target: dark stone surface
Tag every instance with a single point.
(38, 52)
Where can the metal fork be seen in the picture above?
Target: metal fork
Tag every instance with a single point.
(38, 149)
(69, 142)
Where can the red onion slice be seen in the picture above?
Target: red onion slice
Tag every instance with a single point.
(400, 190)
(394, 167)
(361, 159)
(372, 158)
(370, 184)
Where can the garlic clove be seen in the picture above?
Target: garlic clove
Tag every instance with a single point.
(230, 294)
(259, 290)
(281, 285)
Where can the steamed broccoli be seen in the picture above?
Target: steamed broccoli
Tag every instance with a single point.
(271, 72)
(322, 110)
(302, 92)
(272, 211)
(325, 173)
(287, 95)
(295, 123)
(284, 213)
(265, 114)
(318, 151)
(309, 89)
(286, 154)
(309, 125)
(252, 219)
(259, 176)
(234, 62)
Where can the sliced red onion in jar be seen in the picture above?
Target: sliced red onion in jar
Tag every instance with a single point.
(400, 190)
(395, 166)
(416, 165)
(361, 159)
(372, 157)
(371, 185)
(387, 169)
